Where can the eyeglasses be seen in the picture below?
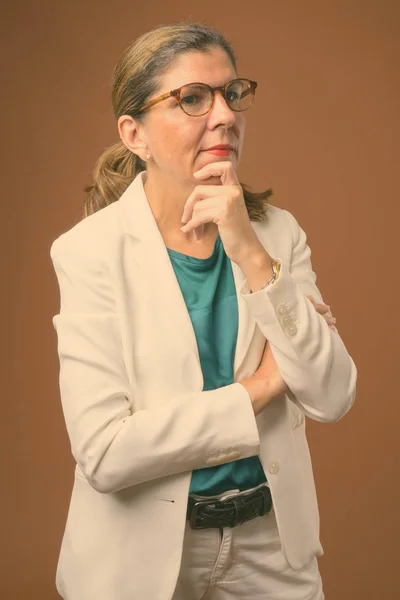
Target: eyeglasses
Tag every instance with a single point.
(197, 99)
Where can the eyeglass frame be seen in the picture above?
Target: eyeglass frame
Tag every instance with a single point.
(176, 94)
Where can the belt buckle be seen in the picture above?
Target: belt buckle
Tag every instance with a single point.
(195, 510)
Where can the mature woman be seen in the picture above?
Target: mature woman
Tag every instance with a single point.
(190, 356)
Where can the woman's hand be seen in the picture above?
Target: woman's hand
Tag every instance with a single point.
(322, 309)
(224, 205)
(268, 371)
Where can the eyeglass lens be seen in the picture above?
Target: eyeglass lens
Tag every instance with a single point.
(197, 99)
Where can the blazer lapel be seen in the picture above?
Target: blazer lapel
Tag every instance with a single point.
(148, 257)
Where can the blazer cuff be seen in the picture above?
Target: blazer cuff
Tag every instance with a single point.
(281, 291)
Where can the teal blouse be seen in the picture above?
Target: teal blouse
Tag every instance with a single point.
(208, 287)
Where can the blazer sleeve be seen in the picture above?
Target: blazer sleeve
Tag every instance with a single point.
(311, 356)
(114, 446)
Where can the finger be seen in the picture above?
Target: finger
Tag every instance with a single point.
(205, 216)
(200, 193)
(223, 169)
(210, 206)
(318, 305)
(330, 320)
(323, 307)
(198, 231)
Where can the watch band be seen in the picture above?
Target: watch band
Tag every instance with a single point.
(276, 268)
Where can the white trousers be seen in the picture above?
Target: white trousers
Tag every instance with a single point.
(242, 563)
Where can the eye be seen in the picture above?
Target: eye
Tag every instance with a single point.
(190, 100)
(232, 96)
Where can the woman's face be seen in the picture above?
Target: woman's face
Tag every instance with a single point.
(175, 140)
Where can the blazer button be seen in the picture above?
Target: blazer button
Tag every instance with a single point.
(273, 466)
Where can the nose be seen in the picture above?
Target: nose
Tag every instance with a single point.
(221, 111)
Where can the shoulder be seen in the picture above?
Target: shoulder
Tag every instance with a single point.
(89, 238)
(279, 222)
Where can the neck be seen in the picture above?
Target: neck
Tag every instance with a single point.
(167, 201)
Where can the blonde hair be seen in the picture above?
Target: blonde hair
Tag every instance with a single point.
(136, 77)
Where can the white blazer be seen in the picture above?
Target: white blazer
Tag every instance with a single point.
(137, 418)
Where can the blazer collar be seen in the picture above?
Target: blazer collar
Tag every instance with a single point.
(147, 249)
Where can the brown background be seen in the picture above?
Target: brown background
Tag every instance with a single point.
(323, 132)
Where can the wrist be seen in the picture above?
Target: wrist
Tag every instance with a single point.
(254, 253)
(257, 268)
(258, 392)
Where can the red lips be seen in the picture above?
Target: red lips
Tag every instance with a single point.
(220, 147)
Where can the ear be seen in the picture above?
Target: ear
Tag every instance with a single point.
(131, 133)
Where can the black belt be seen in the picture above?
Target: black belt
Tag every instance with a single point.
(230, 512)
